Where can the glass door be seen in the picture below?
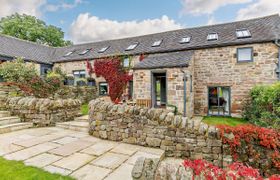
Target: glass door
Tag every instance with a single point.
(219, 101)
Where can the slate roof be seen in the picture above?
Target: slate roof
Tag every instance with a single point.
(163, 60)
(14, 47)
(265, 29)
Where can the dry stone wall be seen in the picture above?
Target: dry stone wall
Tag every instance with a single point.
(83, 93)
(43, 112)
(158, 128)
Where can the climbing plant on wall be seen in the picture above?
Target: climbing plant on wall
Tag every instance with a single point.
(116, 76)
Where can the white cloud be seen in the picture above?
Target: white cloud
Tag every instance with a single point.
(259, 8)
(88, 28)
(63, 5)
(212, 20)
(199, 7)
(30, 7)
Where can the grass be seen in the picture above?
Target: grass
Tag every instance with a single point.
(84, 109)
(230, 121)
(15, 170)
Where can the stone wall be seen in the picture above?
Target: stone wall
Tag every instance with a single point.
(175, 87)
(43, 112)
(158, 128)
(5, 92)
(219, 67)
(176, 135)
(83, 93)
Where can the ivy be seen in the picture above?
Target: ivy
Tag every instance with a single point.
(116, 76)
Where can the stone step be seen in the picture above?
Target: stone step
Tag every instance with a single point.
(15, 127)
(9, 120)
(4, 114)
(82, 118)
(74, 125)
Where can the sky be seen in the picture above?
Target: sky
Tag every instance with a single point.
(96, 20)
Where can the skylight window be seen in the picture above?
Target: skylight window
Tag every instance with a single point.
(84, 52)
(102, 50)
(243, 33)
(212, 36)
(157, 43)
(185, 40)
(68, 54)
(132, 46)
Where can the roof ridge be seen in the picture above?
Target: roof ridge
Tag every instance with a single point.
(197, 27)
(24, 40)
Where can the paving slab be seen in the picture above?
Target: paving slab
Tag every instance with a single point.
(99, 148)
(37, 140)
(65, 140)
(110, 160)
(9, 148)
(90, 172)
(71, 148)
(127, 149)
(30, 152)
(123, 172)
(42, 160)
(74, 161)
(53, 169)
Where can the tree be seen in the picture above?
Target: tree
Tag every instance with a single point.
(32, 29)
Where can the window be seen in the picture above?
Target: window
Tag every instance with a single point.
(244, 54)
(185, 40)
(212, 36)
(103, 88)
(44, 69)
(68, 54)
(126, 62)
(84, 52)
(243, 33)
(132, 46)
(79, 74)
(102, 50)
(157, 43)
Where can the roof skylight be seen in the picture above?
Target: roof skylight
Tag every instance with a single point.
(102, 50)
(157, 43)
(68, 54)
(212, 36)
(132, 46)
(84, 52)
(243, 33)
(185, 40)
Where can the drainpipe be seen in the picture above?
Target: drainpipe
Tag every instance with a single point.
(277, 42)
(185, 92)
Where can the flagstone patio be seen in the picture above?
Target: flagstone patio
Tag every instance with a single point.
(73, 153)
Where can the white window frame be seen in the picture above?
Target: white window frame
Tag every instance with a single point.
(212, 36)
(186, 39)
(244, 60)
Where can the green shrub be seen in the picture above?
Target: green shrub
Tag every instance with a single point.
(263, 107)
(25, 77)
(17, 71)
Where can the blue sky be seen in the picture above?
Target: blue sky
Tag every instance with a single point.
(94, 20)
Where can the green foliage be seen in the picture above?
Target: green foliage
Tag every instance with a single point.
(230, 121)
(263, 107)
(32, 29)
(25, 77)
(17, 71)
(18, 171)
(57, 73)
(85, 109)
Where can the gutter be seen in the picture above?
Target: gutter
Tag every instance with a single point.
(277, 70)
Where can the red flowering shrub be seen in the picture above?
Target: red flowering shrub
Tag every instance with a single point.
(233, 171)
(247, 141)
(116, 77)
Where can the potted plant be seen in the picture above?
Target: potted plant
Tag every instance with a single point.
(91, 81)
(69, 80)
